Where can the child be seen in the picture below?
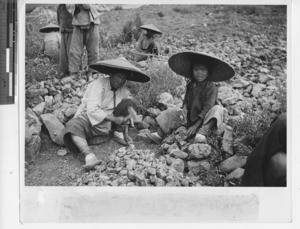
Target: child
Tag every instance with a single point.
(200, 112)
(64, 19)
(146, 42)
(51, 43)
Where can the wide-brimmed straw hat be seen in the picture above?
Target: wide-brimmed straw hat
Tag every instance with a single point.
(121, 65)
(151, 28)
(182, 63)
(49, 28)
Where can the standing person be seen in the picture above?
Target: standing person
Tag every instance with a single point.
(106, 102)
(200, 113)
(51, 43)
(147, 43)
(266, 165)
(64, 19)
(86, 21)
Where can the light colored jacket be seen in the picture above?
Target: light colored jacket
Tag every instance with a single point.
(98, 102)
(85, 14)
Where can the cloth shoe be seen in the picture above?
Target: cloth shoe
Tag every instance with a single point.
(154, 137)
(119, 137)
(90, 162)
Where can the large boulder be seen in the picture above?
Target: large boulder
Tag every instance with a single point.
(32, 148)
(199, 151)
(55, 127)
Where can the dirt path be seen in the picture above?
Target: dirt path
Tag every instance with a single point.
(52, 170)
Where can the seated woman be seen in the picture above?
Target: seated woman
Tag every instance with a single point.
(266, 165)
(200, 113)
(105, 102)
(146, 42)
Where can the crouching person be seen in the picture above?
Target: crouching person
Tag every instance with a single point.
(106, 102)
(266, 165)
(200, 113)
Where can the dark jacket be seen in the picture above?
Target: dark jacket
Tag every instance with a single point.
(200, 97)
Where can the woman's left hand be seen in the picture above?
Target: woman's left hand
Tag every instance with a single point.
(192, 130)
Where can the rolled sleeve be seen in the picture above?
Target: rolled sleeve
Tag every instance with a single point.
(209, 101)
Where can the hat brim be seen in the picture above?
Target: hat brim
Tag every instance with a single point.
(152, 30)
(181, 63)
(114, 66)
(49, 29)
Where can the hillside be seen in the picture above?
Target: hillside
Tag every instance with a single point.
(253, 39)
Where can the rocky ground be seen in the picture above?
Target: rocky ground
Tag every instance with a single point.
(252, 40)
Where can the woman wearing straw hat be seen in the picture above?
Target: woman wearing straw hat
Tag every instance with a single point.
(51, 43)
(106, 102)
(200, 112)
(147, 43)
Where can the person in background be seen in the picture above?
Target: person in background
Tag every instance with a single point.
(147, 42)
(64, 20)
(51, 42)
(86, 21)
(266, 165)
(105, 106)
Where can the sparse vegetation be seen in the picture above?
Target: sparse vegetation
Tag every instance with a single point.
(162, 80)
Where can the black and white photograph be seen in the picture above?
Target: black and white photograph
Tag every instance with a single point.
(156, 95)
(150, 112)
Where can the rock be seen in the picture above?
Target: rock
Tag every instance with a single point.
(199, 151)
(28, 133)
(149, 120)
(67, 80)
(276, 106)
(142, 64)
(257, 90)
(62, 152)
(32, 148)
(59, 114)
(165, 98)
(236, 174)
(48, 101)
(227, 141)
(70, 112)
(263, 78)
(33, 121)
(264, 70)
(55, 127)
(58, 98)
(159, 182)
(67, 88)
(197, 167)
(154, 112)
(178, 165)
(241, 83)
(36, 92)
(39, 109)
(76, 100)
(172, 147)
(199, 138)
(179, 154)
(232, 163)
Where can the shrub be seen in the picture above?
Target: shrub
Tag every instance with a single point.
(160, 14)
(249, 129)
(39, 70)
(162, 80)
(118, 7)
(33, 47)
(182, 10)
(131, 30)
